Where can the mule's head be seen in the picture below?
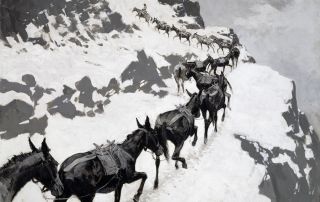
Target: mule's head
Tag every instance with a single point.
(209, 57)
(150, 138)
(189, 71)
(194, 35)
(155, 20)
(194, 103)
(47, 172)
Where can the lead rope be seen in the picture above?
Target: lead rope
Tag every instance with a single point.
(154, 157)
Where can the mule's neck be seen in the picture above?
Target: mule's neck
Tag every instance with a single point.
(206, 62)
(15, 176)
(134, 145)
(196, 75)
(191, 105)
(175, 29)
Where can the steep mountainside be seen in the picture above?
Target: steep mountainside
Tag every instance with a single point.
(80, 72)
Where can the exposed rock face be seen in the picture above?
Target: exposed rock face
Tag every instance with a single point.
(69, 16)
(144, 75)
(17, 118)
(187, 8)
(283, 181)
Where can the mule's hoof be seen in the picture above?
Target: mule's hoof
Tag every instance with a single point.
(194, 143)
(205, 141)
(177, 166)
(136, 198)
(185, 166)
(155, 186)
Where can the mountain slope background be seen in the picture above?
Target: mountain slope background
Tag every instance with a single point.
(282, 34)
(84, 70)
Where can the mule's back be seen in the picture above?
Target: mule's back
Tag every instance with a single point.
(176, 121)
(206, 80)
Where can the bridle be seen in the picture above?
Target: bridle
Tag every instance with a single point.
(45, 163)
(145, 148)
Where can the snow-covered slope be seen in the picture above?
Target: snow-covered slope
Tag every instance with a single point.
(80, 94)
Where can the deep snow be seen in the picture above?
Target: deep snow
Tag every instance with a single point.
(219, 171)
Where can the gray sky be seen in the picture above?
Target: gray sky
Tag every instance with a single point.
(283, 34)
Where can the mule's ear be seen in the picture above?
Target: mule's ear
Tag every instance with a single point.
(190, 94)
(33, 148)
(147, 123)
(138, 123)
(44, 147)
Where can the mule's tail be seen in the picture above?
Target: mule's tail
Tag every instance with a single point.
(229, 85)
(162, 134)
(179, 72)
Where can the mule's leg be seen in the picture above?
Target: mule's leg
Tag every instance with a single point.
(63, 198)
(224, 112)
(195, 139)
(136, 176)
(88, 198)
(206, 125)
(228, 97)
(232, 61)
(156, 181)
(211, 115)
(117, 193)
(215, 118)
(182, 85)
(212, 46)
(178, 84)
(176, 156)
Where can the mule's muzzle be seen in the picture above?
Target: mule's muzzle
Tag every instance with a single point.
(57, 188)
(198, 114)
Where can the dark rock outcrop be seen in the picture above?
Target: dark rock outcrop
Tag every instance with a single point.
(29, 85)
(16, 15)
(16, 118)
(187, 8)
(281, 181)
(144, 74)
